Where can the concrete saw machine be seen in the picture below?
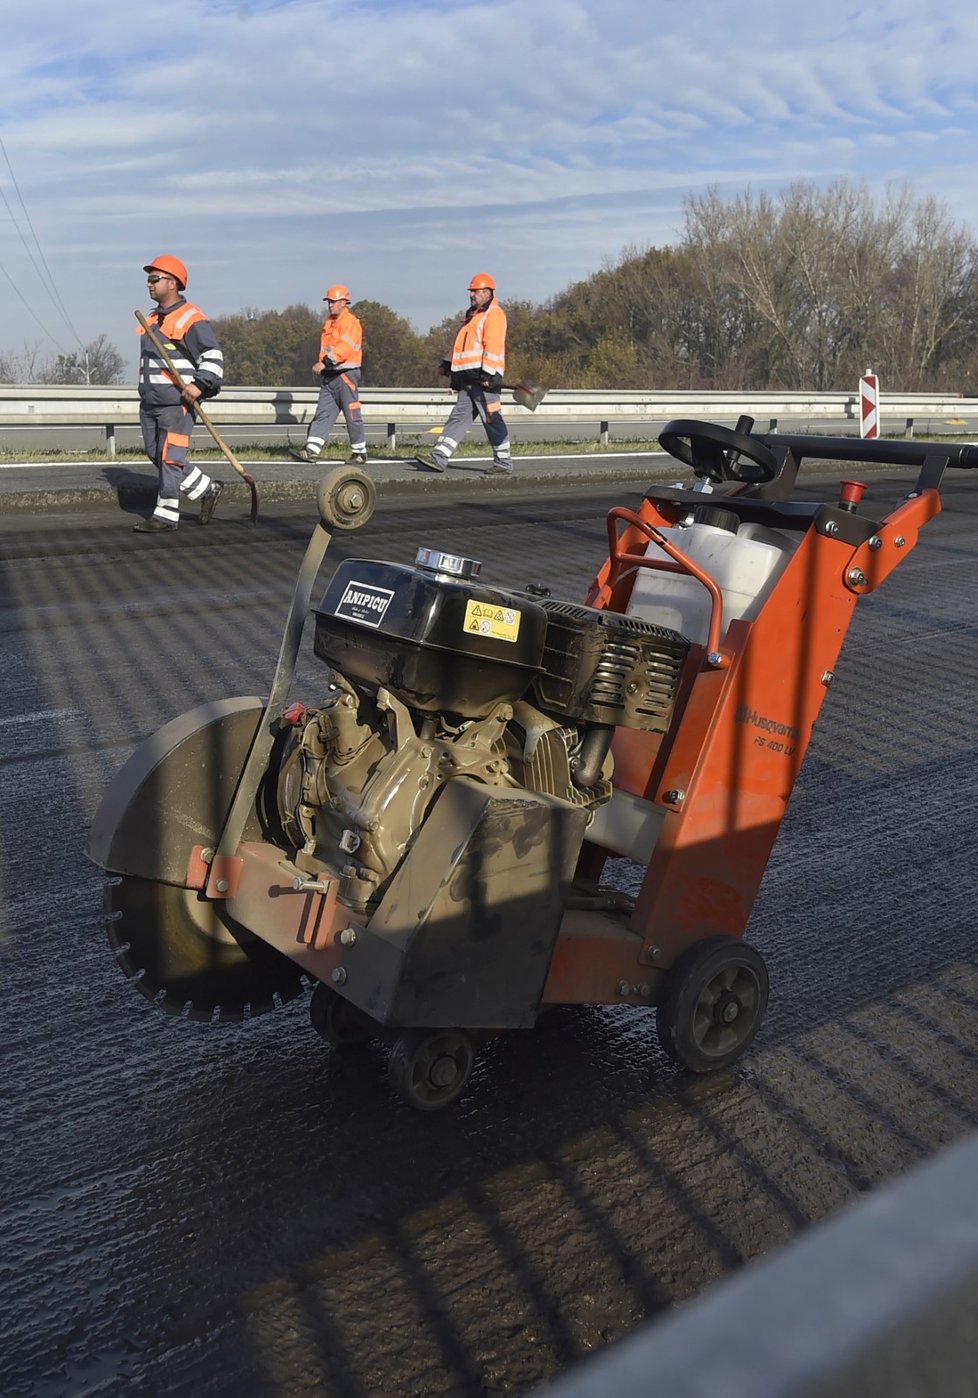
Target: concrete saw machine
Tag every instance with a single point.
(424, 844)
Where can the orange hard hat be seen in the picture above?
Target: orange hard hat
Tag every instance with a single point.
(337, 293)
(171, 265)
(482, 282)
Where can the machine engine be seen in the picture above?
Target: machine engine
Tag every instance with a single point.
(436, 675)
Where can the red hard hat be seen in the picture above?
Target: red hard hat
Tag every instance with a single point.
(482, 282)
(337, 293)
(171, 265)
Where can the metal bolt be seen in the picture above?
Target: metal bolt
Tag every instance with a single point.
(348, 937)
(624, 988)
(653, 953)
(675, 796)
(222, 885)
(831, 527)
(899, 541)
(338, 977)
(714, 659)
(207, 855)
(644, 989)
(311, 885)
(827, 677)
(875, 542)
(856, 576)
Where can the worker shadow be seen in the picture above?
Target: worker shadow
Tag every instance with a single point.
(135, 490)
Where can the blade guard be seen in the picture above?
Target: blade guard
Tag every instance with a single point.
(175, 792)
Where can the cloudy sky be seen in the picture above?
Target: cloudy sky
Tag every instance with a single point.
(401, 145)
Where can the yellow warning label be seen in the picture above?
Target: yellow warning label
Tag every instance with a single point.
(498, 623)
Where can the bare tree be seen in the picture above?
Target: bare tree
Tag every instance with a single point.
(97, 362)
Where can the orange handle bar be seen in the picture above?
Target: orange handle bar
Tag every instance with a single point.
(681, 563)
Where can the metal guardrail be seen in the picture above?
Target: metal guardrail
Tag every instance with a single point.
(106, 408)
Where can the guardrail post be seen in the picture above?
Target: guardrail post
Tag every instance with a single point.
(603, 434)
(392, 436)
(773, 425)
(909, 427)
(110, 438)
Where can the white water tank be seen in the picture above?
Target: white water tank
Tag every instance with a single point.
(745, 566)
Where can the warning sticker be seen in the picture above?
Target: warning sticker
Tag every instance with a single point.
(498, 623)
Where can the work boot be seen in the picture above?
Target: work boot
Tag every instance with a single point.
(358, 458)
(208, 501)
(303, 454)
(498, 468)
(153, 526)
(430, 461)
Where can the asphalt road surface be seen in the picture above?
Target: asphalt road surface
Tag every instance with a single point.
(191, 1209)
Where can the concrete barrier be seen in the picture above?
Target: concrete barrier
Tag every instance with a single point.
(880, 1302)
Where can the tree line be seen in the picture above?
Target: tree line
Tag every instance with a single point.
(803, 290)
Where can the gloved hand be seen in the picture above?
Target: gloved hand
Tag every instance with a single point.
(445, 368)
(491, 383)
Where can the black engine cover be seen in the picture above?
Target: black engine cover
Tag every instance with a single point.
(437, 644)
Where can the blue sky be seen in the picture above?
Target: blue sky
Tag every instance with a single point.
(281, 145)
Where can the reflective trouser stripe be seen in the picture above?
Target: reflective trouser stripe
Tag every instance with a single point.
(340, 393)
(474, 402)
(166, 441)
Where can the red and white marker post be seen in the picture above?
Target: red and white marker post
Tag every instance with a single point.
(869, 405)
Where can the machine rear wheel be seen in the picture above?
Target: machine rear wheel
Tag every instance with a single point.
(335, 1020)
(430, 1067)
(714, 1002)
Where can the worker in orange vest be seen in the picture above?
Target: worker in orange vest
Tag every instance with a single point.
(475, 368)
(338, 366)
(166, 415)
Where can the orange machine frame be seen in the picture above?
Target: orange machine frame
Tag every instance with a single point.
(724, 772)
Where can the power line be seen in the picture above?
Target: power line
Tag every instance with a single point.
(46, 279)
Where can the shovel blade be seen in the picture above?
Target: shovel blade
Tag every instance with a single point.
(529, 395)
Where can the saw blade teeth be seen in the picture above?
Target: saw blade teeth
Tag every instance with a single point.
(176, 949)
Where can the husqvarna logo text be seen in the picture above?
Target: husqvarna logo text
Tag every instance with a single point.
(364, 603)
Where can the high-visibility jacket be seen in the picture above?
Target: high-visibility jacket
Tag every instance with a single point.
(189, 339)
(480, 345)
(341, 344)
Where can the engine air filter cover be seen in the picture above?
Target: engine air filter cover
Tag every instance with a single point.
(603, 667)
(438, 644)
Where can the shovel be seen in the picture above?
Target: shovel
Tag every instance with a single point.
(528, 395)
(199, 410)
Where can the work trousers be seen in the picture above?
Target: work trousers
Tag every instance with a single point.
(339, 392)
(474, 402)
(166, 439)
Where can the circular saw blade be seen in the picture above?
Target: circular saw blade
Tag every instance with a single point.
(183, 951)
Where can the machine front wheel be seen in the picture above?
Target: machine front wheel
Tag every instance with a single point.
(430, 1067)
(335, 1020)
(714, 1002)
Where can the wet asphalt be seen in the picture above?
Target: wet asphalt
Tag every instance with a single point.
(223, 1209)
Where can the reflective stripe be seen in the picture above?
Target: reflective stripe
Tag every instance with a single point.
(343, 335)
(481, 342)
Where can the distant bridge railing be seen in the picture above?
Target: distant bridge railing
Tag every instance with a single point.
(106, 409)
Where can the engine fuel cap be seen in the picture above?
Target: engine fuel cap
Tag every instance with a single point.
(447, 564)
